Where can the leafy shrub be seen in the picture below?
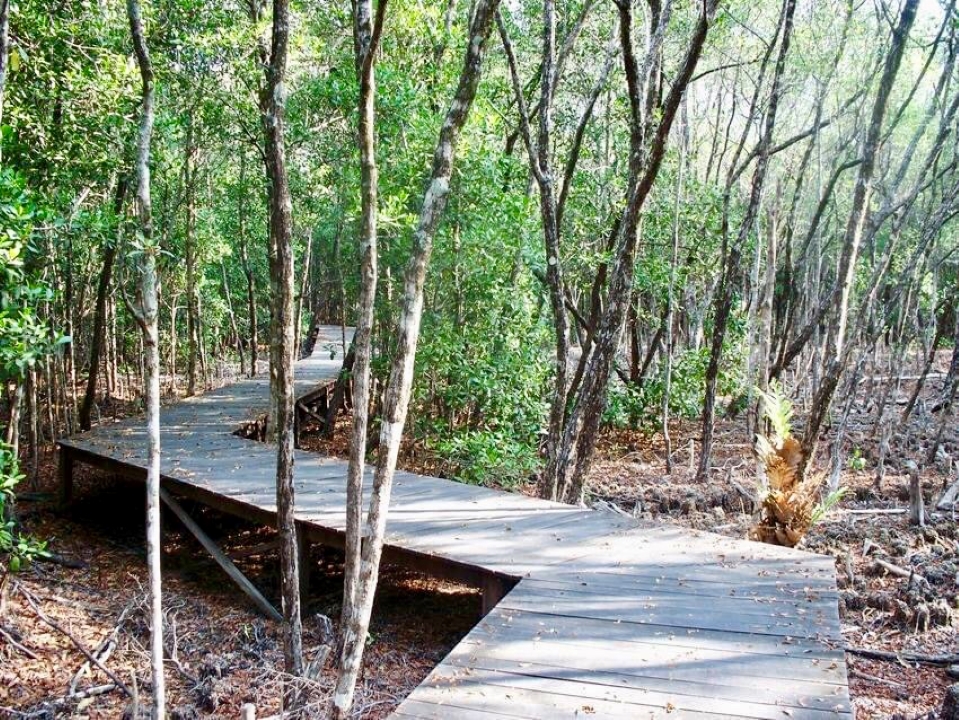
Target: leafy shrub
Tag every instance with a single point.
(16, 549)
(483, 457)
(642, 408)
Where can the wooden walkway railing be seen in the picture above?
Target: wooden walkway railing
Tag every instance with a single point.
(586, 614)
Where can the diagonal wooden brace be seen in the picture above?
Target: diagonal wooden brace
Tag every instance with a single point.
(222, 560)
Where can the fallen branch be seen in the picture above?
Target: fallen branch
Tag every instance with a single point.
(949, 498)
(873, 678)
(898, 571)
(91, 692)
(53, 624)
(610, 507)
(903, 656)
(877, 511)
(55, 559)
(6, 635)
(267, 547)
(103, 651)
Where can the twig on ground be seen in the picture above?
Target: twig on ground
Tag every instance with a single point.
(6, 635)
(53, 624)
(898, 571)
(873, 678)
(903, 656)
(103, 651)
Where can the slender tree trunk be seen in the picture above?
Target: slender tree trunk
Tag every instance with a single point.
(234, 328)
(247, 266)
(835, 356)
(949, 389)
(97, 340)
(366, 34)
(189, 242)
(147, 316)
(282, 342)
(174, 311)
(33, 424)
(766, 303)
(302, 294)
(579, 439)
(539, 151)
(927, 366)
(12, 438)
(674, 260)
(4, 56)
(733, 254)
(397, 396)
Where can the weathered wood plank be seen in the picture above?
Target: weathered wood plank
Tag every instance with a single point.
(798, 657)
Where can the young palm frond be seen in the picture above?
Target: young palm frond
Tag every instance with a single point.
(790, 503)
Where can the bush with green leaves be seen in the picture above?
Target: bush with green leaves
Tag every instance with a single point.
(25, 338)
(16, 549)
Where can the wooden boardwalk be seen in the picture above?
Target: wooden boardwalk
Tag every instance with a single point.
(587, 614)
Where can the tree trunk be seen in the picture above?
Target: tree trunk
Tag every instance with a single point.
(33, 425)
(189, 242)
(397, 396)
(670, 302)
(927, 366)
(147, 317)
(100, 313)
(733, 255)
(305, 273)
(579, 438)
(245, 263)
(539, 152)
(4, 56)
(949, 389)
(366, 34)
(282, 342)
(234, 329)
(835, 356)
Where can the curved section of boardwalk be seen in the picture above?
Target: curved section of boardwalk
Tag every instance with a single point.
(590, 615)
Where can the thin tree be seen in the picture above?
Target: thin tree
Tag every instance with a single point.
(366, 37)
(4, 55)
(732, 255)
(98, 339)
(397, 396)
(836, 355)
(283, 336)
(540, 159)
(147, 317)
(648, 143)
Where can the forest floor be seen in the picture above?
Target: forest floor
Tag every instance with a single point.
(879, 610)
(223, 654)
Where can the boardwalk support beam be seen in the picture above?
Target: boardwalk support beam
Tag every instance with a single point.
(494, 589)
(221, 559)
(65, 470)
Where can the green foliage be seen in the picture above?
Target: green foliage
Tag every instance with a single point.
(486, 457)
(857, 462)
(16, 549)
(642, 408)
(828, 503)
(777, 408)
(24, 336)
